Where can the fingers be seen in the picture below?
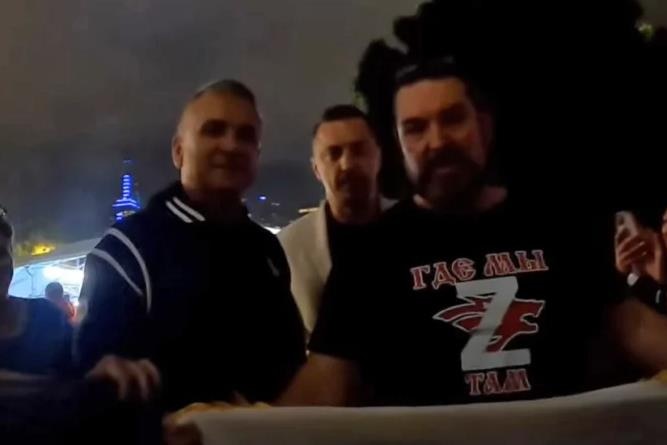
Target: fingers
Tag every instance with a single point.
(621, 235)
(151, 372)
(634, 255)
(628, 250)
(637, 250)
(109, 368)
(128, 376)
(140, 379)
(145, 377)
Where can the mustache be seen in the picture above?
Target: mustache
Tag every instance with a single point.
(351, 178)
(447, 156)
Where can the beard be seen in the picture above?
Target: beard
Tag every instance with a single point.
(449, 179)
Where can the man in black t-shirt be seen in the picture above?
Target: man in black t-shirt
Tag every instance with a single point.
(464, 295)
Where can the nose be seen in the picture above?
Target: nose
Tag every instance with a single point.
(228, 141)
(347, 161)
(437, 136)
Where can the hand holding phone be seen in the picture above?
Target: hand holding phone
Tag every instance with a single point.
(626, 222)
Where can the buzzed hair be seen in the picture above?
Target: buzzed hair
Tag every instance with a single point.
(342, 112)
(226, 86)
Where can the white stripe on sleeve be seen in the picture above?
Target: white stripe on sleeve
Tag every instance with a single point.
(116, 265)
(142, 264)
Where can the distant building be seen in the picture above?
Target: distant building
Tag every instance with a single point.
(266, 212)
(129, 202)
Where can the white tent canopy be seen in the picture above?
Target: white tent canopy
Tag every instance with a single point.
(64, 265)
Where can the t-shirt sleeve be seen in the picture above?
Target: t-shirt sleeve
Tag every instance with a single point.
(341, 326)
(285, 350)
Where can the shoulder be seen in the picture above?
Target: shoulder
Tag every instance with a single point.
(137, 232)
(394, 216)
(264, 237)
(45, 311)
(297, 230)
(158, 219)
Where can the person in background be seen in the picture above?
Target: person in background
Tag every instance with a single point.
(463, 294)
(346, 160)
(35, 337)
(640, 258)
(55, 293)
(190, 292)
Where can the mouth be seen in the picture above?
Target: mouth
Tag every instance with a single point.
(446, 169)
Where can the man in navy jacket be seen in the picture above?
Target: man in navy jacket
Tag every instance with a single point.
(190, 292)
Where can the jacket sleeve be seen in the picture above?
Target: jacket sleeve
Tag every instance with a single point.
(113, 304)
(279, 355)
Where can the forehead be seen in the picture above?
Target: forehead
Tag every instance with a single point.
(341, 132)
(429, 96)
(220, 106)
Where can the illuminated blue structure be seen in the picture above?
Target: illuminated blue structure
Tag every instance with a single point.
(128, 203)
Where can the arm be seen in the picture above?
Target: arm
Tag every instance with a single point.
(115, 313)
(324, 381)
(332, 375)
(642, 334)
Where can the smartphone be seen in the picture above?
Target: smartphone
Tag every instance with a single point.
(626, 220)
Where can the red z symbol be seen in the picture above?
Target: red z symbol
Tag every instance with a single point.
(493, 321)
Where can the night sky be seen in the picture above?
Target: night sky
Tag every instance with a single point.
(86, 84)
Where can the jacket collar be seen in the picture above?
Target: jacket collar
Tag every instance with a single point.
(179, 205)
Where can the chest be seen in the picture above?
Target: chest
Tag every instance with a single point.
(482, 300)
(210, 278)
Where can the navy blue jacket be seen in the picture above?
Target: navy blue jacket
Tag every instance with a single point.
(208, 303)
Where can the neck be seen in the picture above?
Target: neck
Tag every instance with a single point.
(486, 199)
(220, 207)
(356, 213)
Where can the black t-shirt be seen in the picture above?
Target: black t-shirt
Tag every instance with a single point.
(44, 344)
(450, 309)
(344, 239)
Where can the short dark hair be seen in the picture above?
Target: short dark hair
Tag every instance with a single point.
(227, 86)
(54, 287)
(438, 69)
(6, 228)
(342, 112)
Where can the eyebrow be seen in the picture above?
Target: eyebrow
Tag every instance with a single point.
(223, 122)
(347, 143)
(213, 122)
(412, 121)
(453, 108)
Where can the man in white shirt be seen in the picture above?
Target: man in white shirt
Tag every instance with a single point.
(346, 160)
